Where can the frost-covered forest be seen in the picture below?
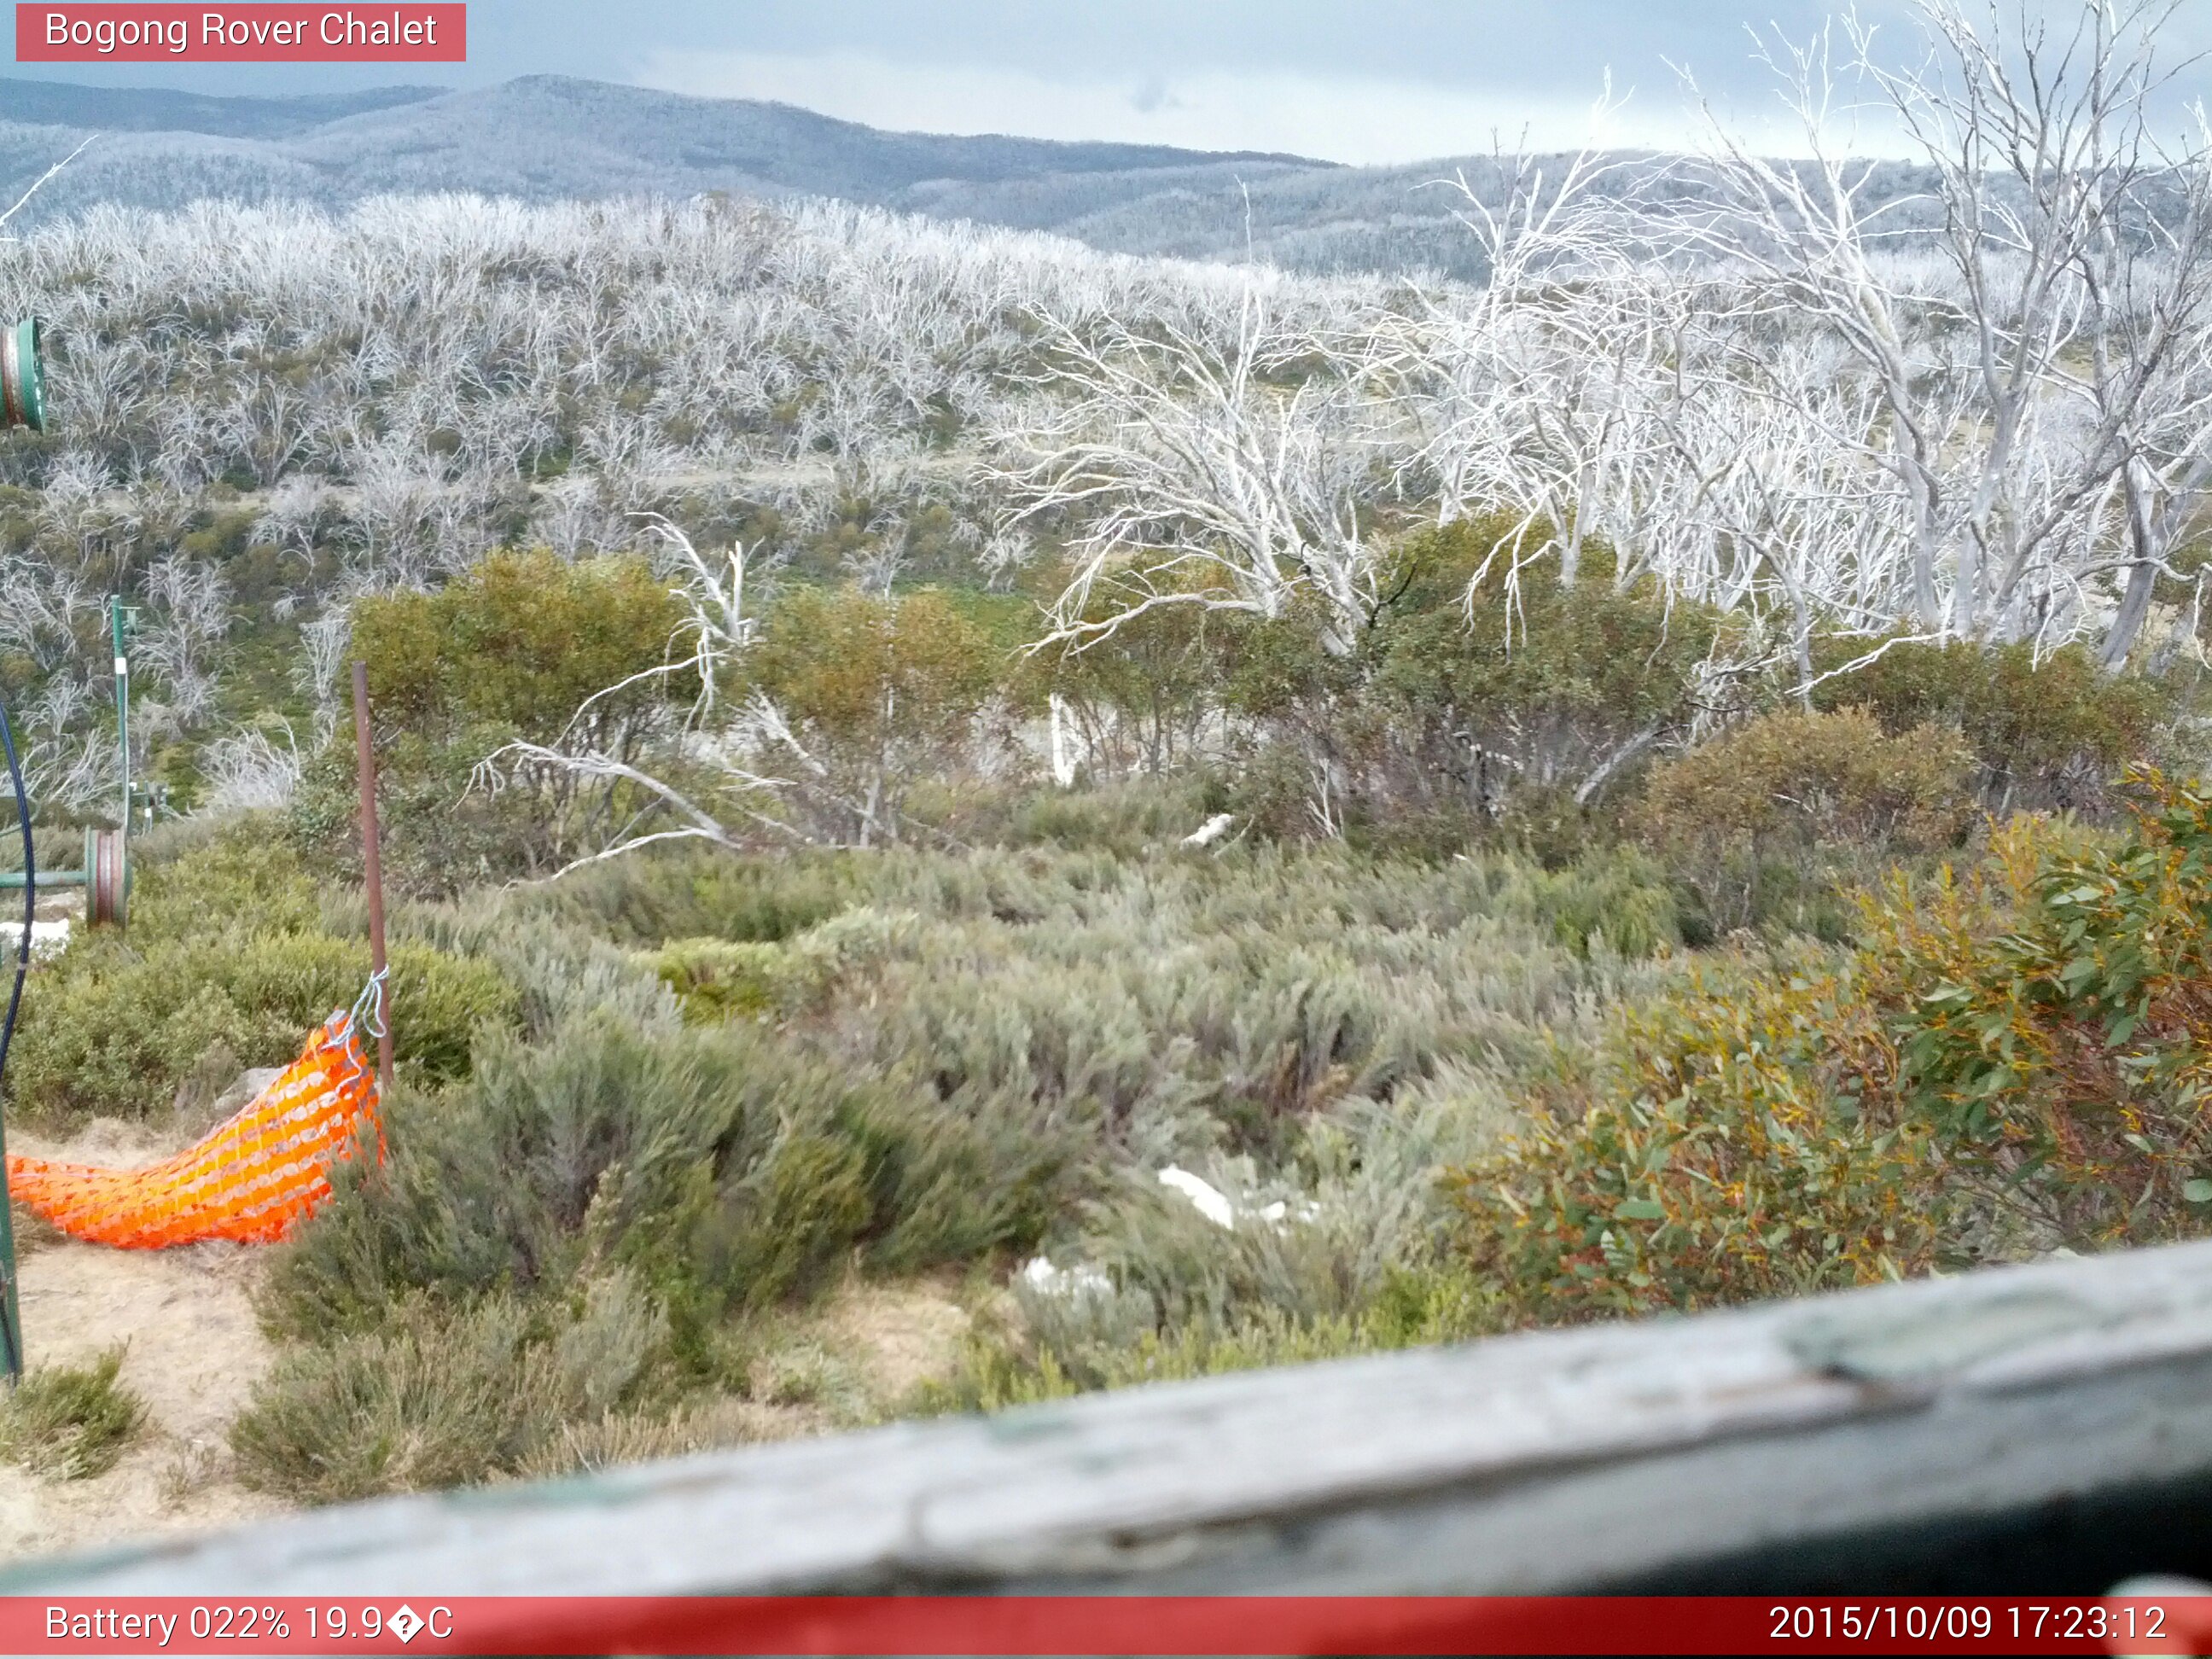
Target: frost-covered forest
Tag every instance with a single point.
(1193, 813)
(334, 406)
(1985, 421)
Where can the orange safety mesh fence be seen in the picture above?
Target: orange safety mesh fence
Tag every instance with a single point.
(251, 1179)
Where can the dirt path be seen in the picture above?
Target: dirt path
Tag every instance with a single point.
(193, 1352)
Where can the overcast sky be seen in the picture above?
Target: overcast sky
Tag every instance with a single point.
(1361, 81)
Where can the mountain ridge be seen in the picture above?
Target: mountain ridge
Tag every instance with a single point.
(543, 137)
(163, 109)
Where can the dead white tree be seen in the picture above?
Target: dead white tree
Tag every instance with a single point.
(246, 771)
(46, 616)
(710, 642)
(324, 645)
(1531, 394)
(189, 606)
(1225, 473)
(2017, 319)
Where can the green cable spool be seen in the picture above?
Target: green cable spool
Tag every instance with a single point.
(22, 376)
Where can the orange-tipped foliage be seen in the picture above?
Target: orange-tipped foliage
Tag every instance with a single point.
(2013, 1059)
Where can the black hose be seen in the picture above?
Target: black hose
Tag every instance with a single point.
(10, 1339)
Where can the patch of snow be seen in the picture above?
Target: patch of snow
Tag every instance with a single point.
(1209, 832)
(1080, 1279)
(1213, 1204)
(47, 938)
(1206, 1197)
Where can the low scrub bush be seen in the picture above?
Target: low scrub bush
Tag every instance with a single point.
(1340, 1249)
(674, 893)
(1129, 818)
(1314, 1239)
(718, 979)
(918, 1061)
(1184, 1005)
(446, 1397)
(728, 1169)
(1611, 901)
(70, 1422)
(1011, 1361)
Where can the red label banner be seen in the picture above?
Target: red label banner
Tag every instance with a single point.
(260, 33)
(1083, 1624)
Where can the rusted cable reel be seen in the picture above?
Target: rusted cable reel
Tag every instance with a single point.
(104, 876)
(107, 878)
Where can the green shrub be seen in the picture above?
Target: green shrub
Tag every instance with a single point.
(717, 979)
(1142, 696)
(1732, 1147)
(244, 874)
(730, 1169)
(114, 1026)
(520, 641)
(1479, 694)
(2044, 733)
(440, 831)
(881, 690)
(2065, 1055)
(1013, 1364)
(1483, 703)
(1472, 708)
(1615, 899)
(70, 1422)
(913, 1060)
(1337, 1251)
(676, 893)
(1797, 803)
(513, 648)
(1556, 678)
(225, 955)
(970, 1057)
(783, 1227)
(1127, 817)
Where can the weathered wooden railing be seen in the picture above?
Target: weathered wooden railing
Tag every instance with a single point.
(2046, 1428)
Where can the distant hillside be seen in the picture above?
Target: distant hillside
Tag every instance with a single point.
(546, 136)
(552, 134)
(543, 137)
(158, 109)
